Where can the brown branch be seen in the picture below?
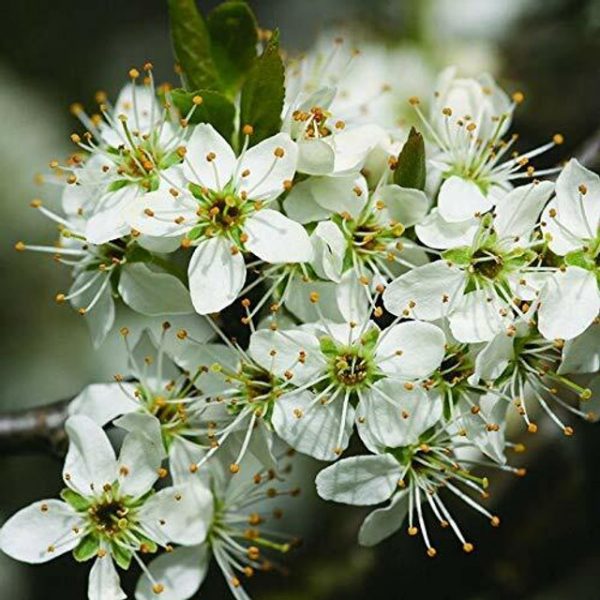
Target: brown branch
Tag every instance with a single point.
(34, 430)
(589, 152)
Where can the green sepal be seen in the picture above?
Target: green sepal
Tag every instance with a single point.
(117, 185)
(410, 170)
(234, 37)
(197, 191)
(369, 339)
(170, 160)
(75, 500)
(458, 256)
(579, 258)
(263, 93)
(121, 556)
(191, 43)
(87, 548)
(135, 253)
(215, 109)
(194, 233)
(328, 346)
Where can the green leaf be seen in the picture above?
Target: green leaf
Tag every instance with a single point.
(77, 501)
(262, 94)
(458, 256)
(410, 171)
(215, 109)
(234, 35)
(191, 43)
(87, 548)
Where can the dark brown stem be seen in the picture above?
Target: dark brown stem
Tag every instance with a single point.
(34, 430)
(589, 152)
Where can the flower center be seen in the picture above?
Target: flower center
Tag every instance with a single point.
(314, 121)
(370, 237)
(487, 264)
(109, 516)
(351, 368)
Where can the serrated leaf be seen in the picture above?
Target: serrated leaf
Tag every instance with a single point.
(215, 109)
(191, 42)
(410, 171)
(87, 548)
(234, 36)
(263, 93)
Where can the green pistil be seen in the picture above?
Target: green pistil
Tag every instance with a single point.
(371, 237)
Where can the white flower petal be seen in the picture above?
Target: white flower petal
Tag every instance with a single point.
(383, 522)
(582, 354)
(139, 461)
(101, 317)
(108, 221)
(301, 203)
(209, 161)
(461, 199)
(315, 157)
(432, 288)
(476, 317)
(180, 514)
(154, 214)
(389, 415)
(28, 535)
(102, 402)
(180, 572)
(407, 206)
(216, 276)
(517, 213)
(152, 293)
(277, 239)
(268, 171)
(579, 213)
(494, 357)
(341, 194)
(298, 300)
(360, 480)
(182, 454)
(475, 426)
(569, 303)
(435, 232)
(329, 249)
(313, 429)
(352, 146)
(104, 582)
(411, 350)
(90, 461)
(352, 297)
(561, 240)
(278, 352)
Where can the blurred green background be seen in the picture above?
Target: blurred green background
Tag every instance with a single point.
(52, 54)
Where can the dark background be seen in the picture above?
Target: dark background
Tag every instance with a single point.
(52, 54)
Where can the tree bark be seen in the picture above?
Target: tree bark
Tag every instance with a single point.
(35, 430)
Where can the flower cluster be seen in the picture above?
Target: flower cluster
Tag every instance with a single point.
(401, 295)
